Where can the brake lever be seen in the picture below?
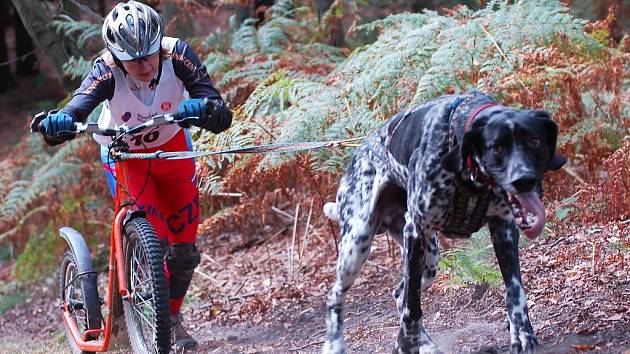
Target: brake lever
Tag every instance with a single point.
(188, 121)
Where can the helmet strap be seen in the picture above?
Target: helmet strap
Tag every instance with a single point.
(118, 63)
(156, 80)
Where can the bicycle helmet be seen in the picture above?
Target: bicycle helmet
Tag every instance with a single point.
(132, 30)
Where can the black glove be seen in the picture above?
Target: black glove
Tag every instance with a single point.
(194, 107)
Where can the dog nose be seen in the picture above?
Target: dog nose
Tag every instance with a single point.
(525, 184)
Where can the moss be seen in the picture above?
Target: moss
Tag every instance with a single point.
(40, 257)
(602, 36)
(9, 301)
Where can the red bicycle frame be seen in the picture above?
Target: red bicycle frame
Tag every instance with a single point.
(123, 207)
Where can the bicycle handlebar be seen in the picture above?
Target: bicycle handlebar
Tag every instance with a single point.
(118, 130)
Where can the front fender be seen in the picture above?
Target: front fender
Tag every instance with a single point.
(80, 250)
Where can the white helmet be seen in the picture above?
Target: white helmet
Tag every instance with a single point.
(133, 30)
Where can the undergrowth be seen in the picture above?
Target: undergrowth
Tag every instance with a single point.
(471, 264)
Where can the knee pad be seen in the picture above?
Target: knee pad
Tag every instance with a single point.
(182, 259)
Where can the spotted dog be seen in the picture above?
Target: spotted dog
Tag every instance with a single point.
(451, 165)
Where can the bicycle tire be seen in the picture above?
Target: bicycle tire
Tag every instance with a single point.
(144, 263)
(86, 309)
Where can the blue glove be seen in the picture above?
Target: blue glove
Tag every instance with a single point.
(58, 125)
(194, 107)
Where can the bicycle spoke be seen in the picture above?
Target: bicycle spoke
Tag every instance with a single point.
(147, 314)
(145, 302)
(140, 272)
(141, 284)
(144, 318)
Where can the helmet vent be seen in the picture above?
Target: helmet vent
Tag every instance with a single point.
(132, 30)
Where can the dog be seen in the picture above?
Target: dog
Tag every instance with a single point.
(452, 164)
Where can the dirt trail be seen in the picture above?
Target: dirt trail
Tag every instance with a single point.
(575, 305)
(243, 303)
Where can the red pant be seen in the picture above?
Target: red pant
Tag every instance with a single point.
(166, 191)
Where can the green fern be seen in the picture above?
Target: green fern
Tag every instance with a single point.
(77, 67)
(416, 57)
(43, 173)
(472, 265)
(217, 63)
(83, 30)
(241, 134)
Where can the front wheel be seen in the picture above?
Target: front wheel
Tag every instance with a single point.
(80, 296)
(147, 312)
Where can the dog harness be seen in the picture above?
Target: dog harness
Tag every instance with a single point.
(469, 205)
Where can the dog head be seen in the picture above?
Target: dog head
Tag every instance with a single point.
(514, 149)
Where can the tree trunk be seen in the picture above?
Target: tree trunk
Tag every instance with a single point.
(102, 8)
(336, 33)
(253, 9)
(8, 81)
(38, 25)
(24, 48)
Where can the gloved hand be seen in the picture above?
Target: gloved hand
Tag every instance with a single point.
(58, 127)
(194, 107)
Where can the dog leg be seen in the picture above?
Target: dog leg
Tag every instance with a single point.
(412, 338)
(353, 251)
(429, 271)
(431, 257)
(355, 201)
(505, 241)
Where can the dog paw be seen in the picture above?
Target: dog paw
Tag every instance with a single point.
(528, 345)
(406, 345)
(416, 349)
(334, 347)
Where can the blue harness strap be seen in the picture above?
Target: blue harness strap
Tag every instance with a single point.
(453, 106)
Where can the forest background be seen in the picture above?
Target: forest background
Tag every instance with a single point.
(299, 70)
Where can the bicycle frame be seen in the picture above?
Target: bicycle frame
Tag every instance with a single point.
(116, 269)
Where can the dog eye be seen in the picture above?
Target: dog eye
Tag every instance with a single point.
(534, 143)
(497, 149)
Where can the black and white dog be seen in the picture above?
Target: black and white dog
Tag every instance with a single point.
(451, 165)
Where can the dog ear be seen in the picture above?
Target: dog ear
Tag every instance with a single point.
(551, 137)
(455, 160)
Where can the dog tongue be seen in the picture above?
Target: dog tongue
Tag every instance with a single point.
(531, 204)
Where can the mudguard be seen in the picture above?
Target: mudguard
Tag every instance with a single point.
(87, 274)
(132, 214)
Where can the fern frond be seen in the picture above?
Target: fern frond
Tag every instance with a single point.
(252, 73)
(84, 30)
(19, 196)
(77, 67)
(217, 63)
(245, 40)
(43, 173)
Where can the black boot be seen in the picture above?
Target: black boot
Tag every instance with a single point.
(182, 341)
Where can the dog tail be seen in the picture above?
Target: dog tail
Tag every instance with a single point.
(331, 211)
